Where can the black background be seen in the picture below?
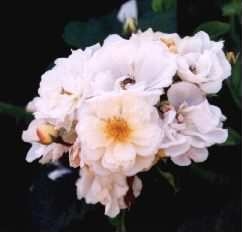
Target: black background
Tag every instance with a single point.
(32, 39)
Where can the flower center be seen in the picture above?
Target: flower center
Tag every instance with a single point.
(126, 81)
(193, 69)
(117, 129)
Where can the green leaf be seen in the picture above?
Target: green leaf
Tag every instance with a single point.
(231, 9)
(234, 138)
(234, 83)
(170, 178)
(81, 34)
(214, 28)
(208, 175)
(15, 111)
(162, 21)
(162, 5)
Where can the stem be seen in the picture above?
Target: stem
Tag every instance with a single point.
(14, 111)
(121, 226)
(169, 177)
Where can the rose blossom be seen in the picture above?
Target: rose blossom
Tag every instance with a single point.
(109, 190)
(120, 131)
(191, 124)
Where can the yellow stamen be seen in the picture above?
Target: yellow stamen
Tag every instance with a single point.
(231, 57)
(170, 44)
(118, 129)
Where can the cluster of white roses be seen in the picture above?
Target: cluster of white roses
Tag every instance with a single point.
(117, 109)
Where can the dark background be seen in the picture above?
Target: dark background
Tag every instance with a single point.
(32, 39)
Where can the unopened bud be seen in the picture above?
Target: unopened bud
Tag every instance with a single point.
(130, 26)
(231, 57)
(47, 133)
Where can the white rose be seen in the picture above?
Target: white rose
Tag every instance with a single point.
(119, 132)
(109, 190)
(202, 62)
(128, 64)
(64, 87)
(191, 124)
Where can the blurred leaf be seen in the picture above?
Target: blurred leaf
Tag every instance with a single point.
(208, 175)
(214, 28)
(162, 5)
(234, 138)
(81, 34)
(231, 9)
(170, 178)
(234, 82)
(15, 111)
(161, 21)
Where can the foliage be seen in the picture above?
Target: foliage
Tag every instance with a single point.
(214, 28)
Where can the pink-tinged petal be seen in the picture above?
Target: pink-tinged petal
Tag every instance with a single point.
(98, 168)
(109, 161)
(146, 151)
(112, 208)
(94, 191)
(34, 153)
(212, 86)
(204, 64)
(201, 118)
(218, 135)
(189, 44)
(124, 152)
(114, 38)
(91, 154)
(177, 150)
(224, 63)
(30, 134)
(181, 160)
(84, 183)
(137, 186)
(141, 164)
(198, 154)
(204, 37)
(199, 140)
(184, 92)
